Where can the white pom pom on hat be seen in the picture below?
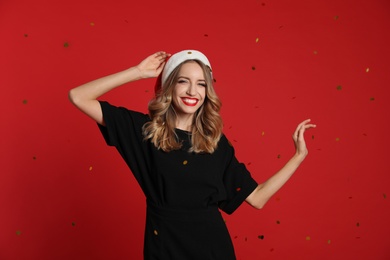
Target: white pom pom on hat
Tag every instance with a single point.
(178, 58)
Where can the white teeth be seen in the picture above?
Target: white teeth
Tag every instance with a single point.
(190, 101)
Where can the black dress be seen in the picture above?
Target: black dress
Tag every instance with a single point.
(184, 190)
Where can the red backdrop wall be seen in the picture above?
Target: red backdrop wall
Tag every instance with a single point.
(65, 195)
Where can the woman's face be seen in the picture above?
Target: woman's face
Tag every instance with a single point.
(190, 89)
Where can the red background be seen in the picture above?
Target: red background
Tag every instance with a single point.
(65, 195)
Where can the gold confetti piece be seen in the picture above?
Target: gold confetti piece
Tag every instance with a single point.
(257, 40)
(92, 24)
(339, 87)
(336, 17)
(262, 133)
(372, 98)
(328, 241)
(261, 237)
(66, 44)
(185, 162)
(337, 139)
(73, 224)
(25, 101)
(18, 232)
(308, 238)
(315, 52)
(90, 168)
(368, 69)
(155, 232)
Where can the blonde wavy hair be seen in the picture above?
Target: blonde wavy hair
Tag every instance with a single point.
(207, 123)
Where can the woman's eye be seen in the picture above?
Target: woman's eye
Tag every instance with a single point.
(182, 81)
(203, 84)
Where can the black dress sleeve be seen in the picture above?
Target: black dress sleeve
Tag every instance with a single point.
(123, 129)
(238, 181)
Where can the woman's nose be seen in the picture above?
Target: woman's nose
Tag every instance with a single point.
(191, 89)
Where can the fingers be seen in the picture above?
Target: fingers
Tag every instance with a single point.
(301, 128)
(162, 55)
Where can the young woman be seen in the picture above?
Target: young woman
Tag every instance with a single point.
(181, 159)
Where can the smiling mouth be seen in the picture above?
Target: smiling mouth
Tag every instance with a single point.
(190, 101)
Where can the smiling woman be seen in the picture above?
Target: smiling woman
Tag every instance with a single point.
(181, 159)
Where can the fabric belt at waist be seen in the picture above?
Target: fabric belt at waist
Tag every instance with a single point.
(201, 214)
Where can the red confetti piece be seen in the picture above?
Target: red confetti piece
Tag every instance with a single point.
(358, 224)
(238, 189)
(66, 44)
(384, 195)
(308, 238)
(73, 224)
(253, 68)
(90, 168)
(34, 157)
(92, 24)
(367, 70)
(279, 156)
(278, 222)
(261, 237)
(26, 35)
(336, 17)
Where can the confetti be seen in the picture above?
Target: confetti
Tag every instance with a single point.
(206, 35)
(339, 87)
(185, 162)
(384, 195)
(73, 224)
(315, 52)
(328, 241)
(155, 232)
(336, 17)
(262, 133)
(18, 232)
(312, 137)
(253, 68)
(92, 24)
(368, 69)
(279, 156)
(358, 224)
(66, 44)
(25, 35)
(261, 237)
(278, 222)
(337, 139)
(34, 157)
(372, 98)
(25, 101)
(238, 189)
(308, 238)
(90, 168)
(271, 250)
(257, 40)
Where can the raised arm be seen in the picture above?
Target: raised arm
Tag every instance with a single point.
(259, 197)
(85, 96)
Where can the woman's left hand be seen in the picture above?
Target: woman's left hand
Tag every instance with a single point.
(299, 139)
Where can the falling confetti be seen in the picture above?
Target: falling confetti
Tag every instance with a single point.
(315, 52)
(261, 237)
(238, 189)
(368, 69)
(25, 101)
(312, 137)
(308, 238)
(384, 195)
(34, 158)
(92, 24)
(66, 44)
(90, 168)
(206, 35)
(278, 222)
(336, 17)
(372, 98)
(257, 40)
(25, 35)
(358, 224)
(339, 87)
(337, 139)
(18, 232)
(328, 241)
(155, 232)
(253, 68)
(271, 250)
(73, 224)
(185, 162)
(262, 133)
(279, 156)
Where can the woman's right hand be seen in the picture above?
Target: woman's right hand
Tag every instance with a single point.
(152, 66)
